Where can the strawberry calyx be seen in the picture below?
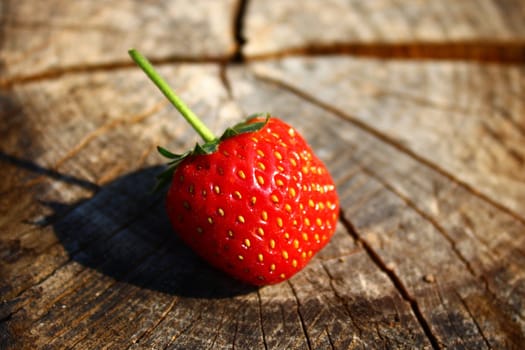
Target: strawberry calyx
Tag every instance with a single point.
(250, 124)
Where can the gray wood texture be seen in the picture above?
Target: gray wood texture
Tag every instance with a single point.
(428, 156)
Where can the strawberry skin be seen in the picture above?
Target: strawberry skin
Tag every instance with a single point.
(259, 207)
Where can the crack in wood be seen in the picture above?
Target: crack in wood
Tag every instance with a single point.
(56, 73)
(159, 320)
(299, 313)
(387, 140)
(429, 219)
(238, 28)
(493, 52)
(45, 172)
(91, 136)
(396, 281)
(480, 330)
(261, 324)
(342, 301)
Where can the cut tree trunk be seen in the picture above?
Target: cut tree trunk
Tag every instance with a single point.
(428, 156)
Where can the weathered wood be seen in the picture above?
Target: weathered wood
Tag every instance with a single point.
(430, 110)
(429, 251)
(486, 29)
(457, 256)
(52, 37)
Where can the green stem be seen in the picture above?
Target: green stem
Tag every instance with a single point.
(186, 112)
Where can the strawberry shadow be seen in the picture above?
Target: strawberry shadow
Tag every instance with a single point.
(123, 232)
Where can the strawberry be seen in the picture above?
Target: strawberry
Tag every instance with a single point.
(255, 203)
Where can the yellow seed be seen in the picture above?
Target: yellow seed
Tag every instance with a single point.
(310, 253)
(260, 180)
(221, 211)
(313, 170)
(272, 243)
(285, 254)
(301, 206)
(319, 222)
(247, 243)
(264, 215)
(291, 132)
(253, 200)
(272, 267)
(204, 193)
(292, 192)
(261, 166)
(286, 235)
(230, 233)
(210, 220)
(305, 236)
(237, 194)
(307, 221)
(282, 275)
(304, 170)
(217, 189)
(293, 162)
(311, 203)
(241, 219)
(260, 257)
(254, 139)
(321, 205)
(296, 243)
(278, 155)
(260, 153)
(274, 198)
(280, 168)
(294, 222)
(279, 222)
(241, 174)
(294, 263)
(288, 207)
(260, 231)
(279, 182)
(324, 238)
(276, 135)
(303, 255)
(316, 237)
(241, 257)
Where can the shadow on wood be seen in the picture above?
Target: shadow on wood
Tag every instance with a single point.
(123, 232)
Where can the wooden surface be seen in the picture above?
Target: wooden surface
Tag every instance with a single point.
(416, 107)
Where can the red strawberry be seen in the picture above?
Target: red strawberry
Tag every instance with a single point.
(256, 203)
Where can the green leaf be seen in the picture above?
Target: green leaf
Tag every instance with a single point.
(246, 126)
(207, 148)
(167, 153)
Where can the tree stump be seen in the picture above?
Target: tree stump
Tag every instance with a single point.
(416, 107)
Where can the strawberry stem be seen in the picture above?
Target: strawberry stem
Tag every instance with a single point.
(186, 112)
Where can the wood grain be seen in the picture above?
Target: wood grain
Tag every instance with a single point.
(53, 37)
(427, 158)
(447, 257)
(430, 111)
(410, 28)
